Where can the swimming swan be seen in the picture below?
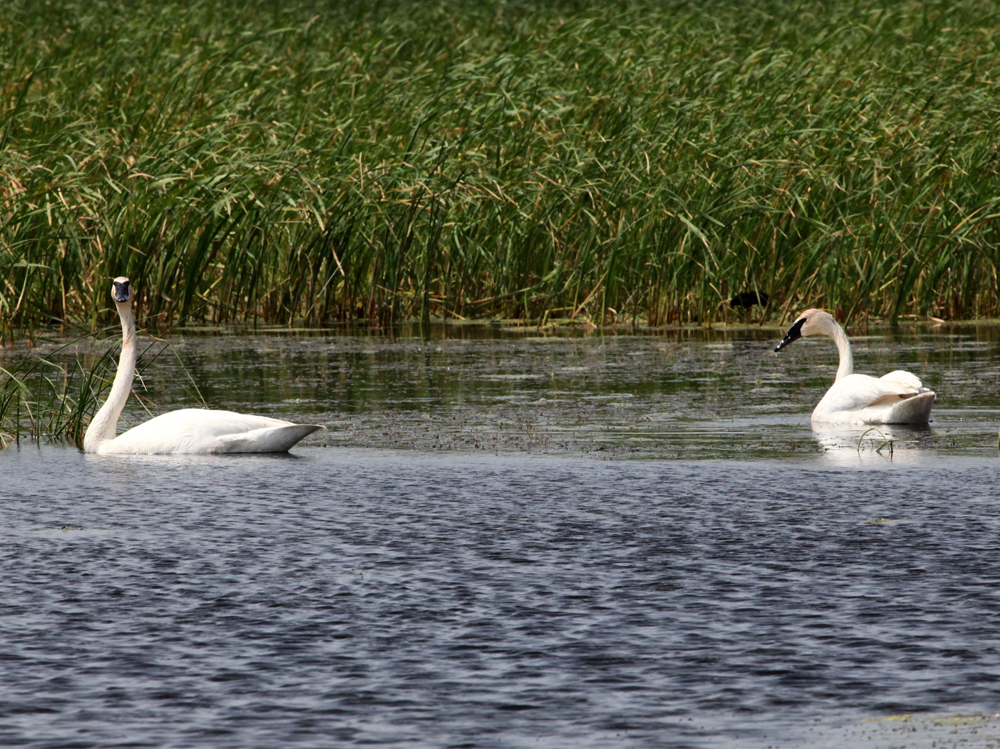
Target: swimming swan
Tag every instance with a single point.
(897, 398)
(189, 430)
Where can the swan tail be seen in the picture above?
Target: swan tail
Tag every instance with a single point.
(915, 409)
(268, 440)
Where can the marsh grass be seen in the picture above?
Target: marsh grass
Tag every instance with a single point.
(306, 161)
(41, 397)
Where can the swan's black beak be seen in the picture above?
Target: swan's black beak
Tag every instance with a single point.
(121, 290)
(794, 333)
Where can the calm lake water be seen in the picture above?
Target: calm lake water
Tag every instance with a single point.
(508, 539)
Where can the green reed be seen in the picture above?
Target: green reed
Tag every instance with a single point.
(52, 396)
(639, 160)
(41, 398)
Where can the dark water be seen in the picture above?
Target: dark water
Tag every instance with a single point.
(350, 597)
(510, 540)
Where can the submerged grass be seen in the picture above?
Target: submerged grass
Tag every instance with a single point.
(317, 161)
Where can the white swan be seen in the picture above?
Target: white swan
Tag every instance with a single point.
(896, 398)
(189, 430)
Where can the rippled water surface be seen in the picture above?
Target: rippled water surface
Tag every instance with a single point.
(510, 540)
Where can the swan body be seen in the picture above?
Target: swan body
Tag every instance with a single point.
(187, 431)
(896, 398)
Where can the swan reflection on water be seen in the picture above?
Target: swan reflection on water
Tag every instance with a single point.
(847, 445)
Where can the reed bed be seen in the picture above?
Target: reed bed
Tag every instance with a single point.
(42, 398)
(304, 162)
(52, 391)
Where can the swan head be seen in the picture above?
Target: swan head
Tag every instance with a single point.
(121, 290)
(810, 322)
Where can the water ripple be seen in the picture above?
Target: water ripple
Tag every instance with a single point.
(361, 597)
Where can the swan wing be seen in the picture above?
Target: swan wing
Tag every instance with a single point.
(907, 379)
(854, 392)
(195, 430)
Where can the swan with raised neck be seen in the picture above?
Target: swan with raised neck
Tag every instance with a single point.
(188, 430)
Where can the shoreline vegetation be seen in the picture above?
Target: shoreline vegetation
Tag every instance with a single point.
(309, 162)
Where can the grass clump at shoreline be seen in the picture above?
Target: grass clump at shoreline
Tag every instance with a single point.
(42, 398)
(310, 161)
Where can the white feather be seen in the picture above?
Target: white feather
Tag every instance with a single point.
(896, 398)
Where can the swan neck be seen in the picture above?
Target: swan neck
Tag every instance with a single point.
(104, 426)
(844, 347)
